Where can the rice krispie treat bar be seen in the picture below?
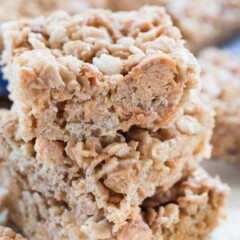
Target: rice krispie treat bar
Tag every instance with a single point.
(114, 174)
(8, 234)
(202, 22)
(221, 88)
(97, 73)
(190, 210)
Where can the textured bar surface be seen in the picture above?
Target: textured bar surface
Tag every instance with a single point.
(96, 73)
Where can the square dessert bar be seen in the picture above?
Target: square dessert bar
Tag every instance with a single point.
(202, 22)
(191, 209)
(97, 73)
(113, 175)
(221, 88)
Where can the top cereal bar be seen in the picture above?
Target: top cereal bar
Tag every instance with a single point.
(97, 72)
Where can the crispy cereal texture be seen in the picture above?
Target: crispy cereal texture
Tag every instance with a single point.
(8, 234)
(96, 73)
(114, 174)
(221, 88)
(190, 210)
(202, 22)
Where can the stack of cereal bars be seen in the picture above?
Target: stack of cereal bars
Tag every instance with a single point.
(106, 130)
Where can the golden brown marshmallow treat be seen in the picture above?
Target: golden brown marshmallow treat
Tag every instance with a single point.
(221, 88)
(201, 22)
(114, 174)
(8, 234)
(190, 210)
(97, 73)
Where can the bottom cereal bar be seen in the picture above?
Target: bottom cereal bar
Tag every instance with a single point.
(191, 209)
(221, 89)
(109, 175)
(8, 234)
